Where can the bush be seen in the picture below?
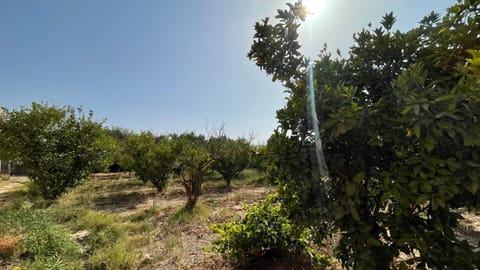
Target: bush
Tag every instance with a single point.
(266, 233)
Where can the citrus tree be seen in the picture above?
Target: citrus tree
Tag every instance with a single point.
(230, 156)
(57, 147)
(398, 121)
(193, 162)
(151, 159)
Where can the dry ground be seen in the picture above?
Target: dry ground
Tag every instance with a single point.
(179, 241)
(9, 185)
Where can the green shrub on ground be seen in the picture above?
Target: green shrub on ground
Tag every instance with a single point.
(45, 245)
(265, 233)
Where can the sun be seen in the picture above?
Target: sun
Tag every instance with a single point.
(313, 6)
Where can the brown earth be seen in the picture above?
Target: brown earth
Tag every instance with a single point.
(184, 245)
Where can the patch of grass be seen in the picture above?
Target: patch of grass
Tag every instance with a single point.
(214, 175)
(117, 184)
(179, 219)
(96, 220)
(114, 241)
(173, 241)
(16, 198)
(214, 184)
(119, 256)
(183, 216)
(250, 177)
(143, 215)
(50, 263)
(44, 244)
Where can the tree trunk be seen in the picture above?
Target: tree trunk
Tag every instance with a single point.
(193, 188)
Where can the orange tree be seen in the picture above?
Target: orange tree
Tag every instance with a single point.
(229, 156)
(399, 120)
(152, 158)
(57, 147)
(192, 164)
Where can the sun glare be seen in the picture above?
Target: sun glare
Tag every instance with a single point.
(313, 6)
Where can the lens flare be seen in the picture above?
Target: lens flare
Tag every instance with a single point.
(314, 7)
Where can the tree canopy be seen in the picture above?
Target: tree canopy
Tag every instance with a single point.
(230, 156)
(152, 159)
(56, 146)
(399, 123)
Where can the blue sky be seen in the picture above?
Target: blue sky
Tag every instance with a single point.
(165, 66)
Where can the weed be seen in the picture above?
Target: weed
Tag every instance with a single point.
(10, 245)
(144, 214)
(41, 239)
(119, 256)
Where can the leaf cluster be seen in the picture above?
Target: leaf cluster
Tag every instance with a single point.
(230, 156)
(265, 232)
(150, 157)
(399, 125)
(56, 146)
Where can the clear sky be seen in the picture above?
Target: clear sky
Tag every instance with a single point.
(165, 66)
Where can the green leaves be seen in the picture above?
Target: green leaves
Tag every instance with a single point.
(266, 231)
(151, 158)
(388, 20)
(230, 156)
(399, 121)
(57, 147)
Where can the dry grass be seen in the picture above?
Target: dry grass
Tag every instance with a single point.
(146, 230)
(10, 245)
(166, 236)
(469, 227)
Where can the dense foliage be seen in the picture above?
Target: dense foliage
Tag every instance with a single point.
(119, 159)
(57, 147)
(151, 158)
(399, 124)
(42, 243)
(230, 156)
(193, 162)
(265, 232)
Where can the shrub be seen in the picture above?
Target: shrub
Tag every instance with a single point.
(266, 233)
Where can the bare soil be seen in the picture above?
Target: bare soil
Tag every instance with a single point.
(184, 244)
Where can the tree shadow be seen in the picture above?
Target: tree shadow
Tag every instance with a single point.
(121, 201)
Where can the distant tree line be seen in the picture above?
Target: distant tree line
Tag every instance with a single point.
(58, 147)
